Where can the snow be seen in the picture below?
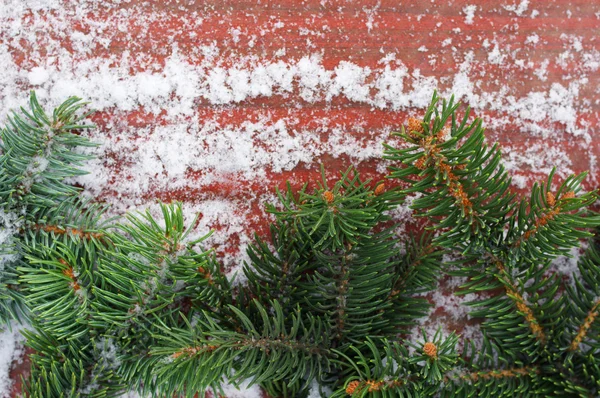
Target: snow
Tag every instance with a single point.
(244, 390)
(9, 225)
(469, 12)
(533, 39)
(495, 57)
(518, 9)
(37, 76)
(11, 349)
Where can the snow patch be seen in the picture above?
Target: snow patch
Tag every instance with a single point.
(518, 9)
(469, 12)
(11, 349)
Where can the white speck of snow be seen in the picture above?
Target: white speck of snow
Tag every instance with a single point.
(495, 56)
(244, 390)
(542, 71)
(422, 49)
(9, 225)
(370, 13)
(38, 76)
(350, 80)
(314, 391)
(568, 265)
(469, 12)
(235, 34)
(532, 39)
(518, 9)
(11, 349)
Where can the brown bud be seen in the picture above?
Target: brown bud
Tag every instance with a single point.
(430, 350)
(568, 195)
(550, 198)
(352, 386)
(414, 124)
(328, 196)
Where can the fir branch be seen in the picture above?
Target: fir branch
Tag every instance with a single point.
(513, 292)
(500, 373)
(275, 353)
(586, 325)
(74, 232)
(325, 299)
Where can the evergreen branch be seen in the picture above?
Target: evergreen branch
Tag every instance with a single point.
(584, 303)
(57, 284)
(464, 186)
(362, 387)
(496, 374)
(59, 369)
(137, 304)
(417, 271)
(554, 223)
(383, 370)
(74, 232)
(208, 352)
(275, 273)
(586, 325)
(332, 218)
(522, 306)
(37, 152)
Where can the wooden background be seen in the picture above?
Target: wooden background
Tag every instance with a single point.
(522, 59)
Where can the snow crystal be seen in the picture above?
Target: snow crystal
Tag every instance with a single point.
(446, 42)
(9, 225)
(568, 265)
(11, 349)
(243, 391)
(542, 71)
(313, 77)
(350, 80)
(315, 391)
(38, 76)
(469, 12)
(532, 39)
(495, 56)
(518, 9)
(108, 353)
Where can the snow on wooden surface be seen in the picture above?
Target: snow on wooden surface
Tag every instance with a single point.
(214, 103)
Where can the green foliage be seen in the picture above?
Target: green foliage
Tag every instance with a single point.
(505, 250)
(37, 152)
(330, 299)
